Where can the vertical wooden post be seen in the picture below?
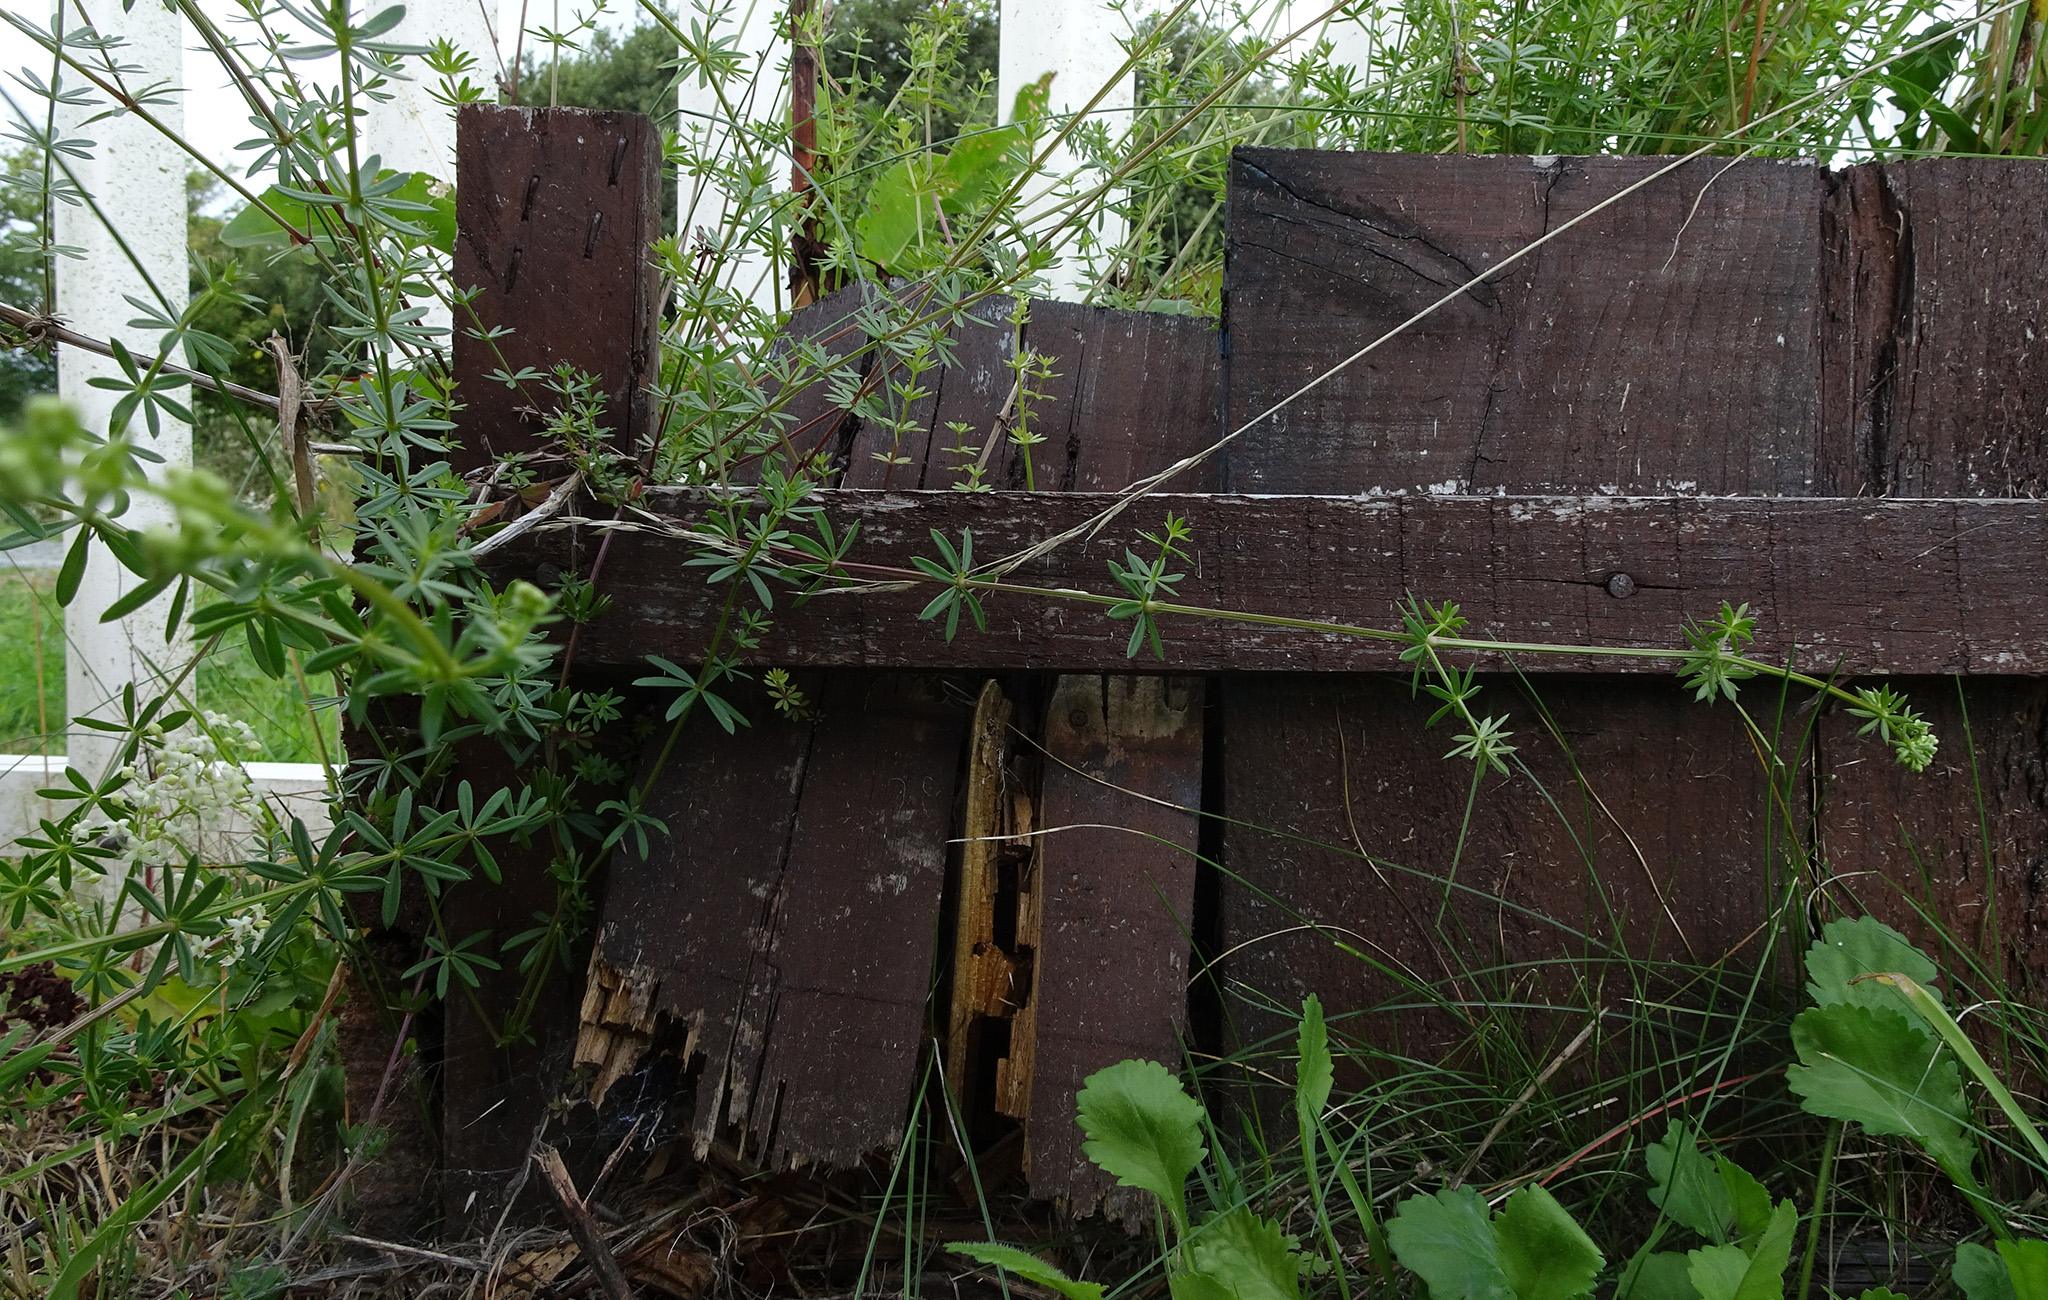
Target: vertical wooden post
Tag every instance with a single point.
(555, 211)
(136, 176)
(1082, 52)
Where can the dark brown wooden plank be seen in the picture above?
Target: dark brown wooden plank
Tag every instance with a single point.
(1346, 878)
(1114, 886)
(1952, 854)
(555, 210)
(969, 390)
(1944, 392)
(851, 932)
(1668, 343)
(1961, 587)
(787, 925)
(1943, 342)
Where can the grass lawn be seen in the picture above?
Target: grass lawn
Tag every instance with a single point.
(32, 682)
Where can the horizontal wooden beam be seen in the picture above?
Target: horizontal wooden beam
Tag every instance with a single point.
(1864, 585)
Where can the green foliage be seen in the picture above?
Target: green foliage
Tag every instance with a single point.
(1146, 583)
(1753, 1272)
(1027, 1266)
(955, 569)
(1531, 1250)
(2012, 1270)
(410, 203)
(911, 203)
(1850, 950)
(1143, 1130)
(1714, 1198)
(1875, 1066)
(1713, 665)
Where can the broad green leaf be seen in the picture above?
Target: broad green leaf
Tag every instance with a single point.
(1881, 1293)
(1544, 1252)
(72, 571)
(1027, 1266)
(1447, 1241)
(1877, 1069)
(1657, 1275)
(1712, 1196)
(1980, 1274)
(1732, 1273)
(2026, 1267)
(896, 206)
(1848, 950)
(979, 166)
(252, 227)
(1314, 1071)
(1686, 1186)
(1143, 1130)
(1246, 1256)
(1184, 1285)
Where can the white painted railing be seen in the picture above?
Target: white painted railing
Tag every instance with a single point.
(136, 176)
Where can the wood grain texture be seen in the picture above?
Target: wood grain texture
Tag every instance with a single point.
(1943, 332)
(1961, 587)
(1958, 852)
(1667, 346)
(1942, 390)
(1668, 343)
(799, 961)
(1351, 873)
(555, 210)
(1114, 881)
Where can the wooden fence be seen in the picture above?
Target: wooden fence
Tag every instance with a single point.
(1822, 393)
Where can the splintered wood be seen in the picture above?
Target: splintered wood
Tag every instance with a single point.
(796, 987)
(786, 926)
(1077, 876)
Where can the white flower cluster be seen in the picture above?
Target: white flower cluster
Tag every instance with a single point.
(244, 932)
(180, 786)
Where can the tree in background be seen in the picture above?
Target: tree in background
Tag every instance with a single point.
(24, 371)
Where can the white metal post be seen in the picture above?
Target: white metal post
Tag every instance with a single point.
(1078, 42)
(136, 177)
(412, 131)
(758, 95)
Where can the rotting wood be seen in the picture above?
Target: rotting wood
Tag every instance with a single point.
(616, 1022)
(1962, 588)
(985, 975)
(583, 1226)
(789, 963)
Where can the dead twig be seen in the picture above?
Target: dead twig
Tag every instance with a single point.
(291, 412)
(583, 1226)
(555, 503)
